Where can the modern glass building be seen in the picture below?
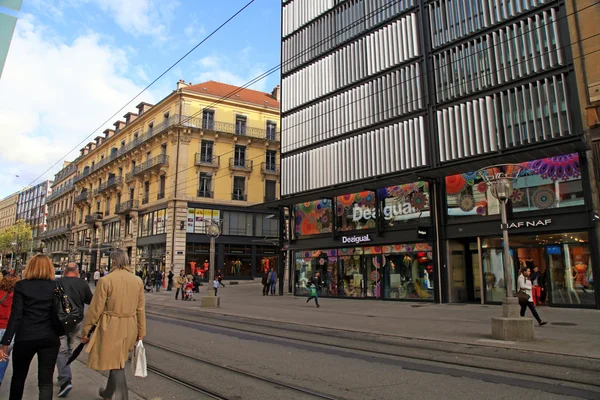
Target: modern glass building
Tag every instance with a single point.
(388, 108)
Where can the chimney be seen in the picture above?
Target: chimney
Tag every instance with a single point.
(276, 93)
(181, 84)
(130, 117)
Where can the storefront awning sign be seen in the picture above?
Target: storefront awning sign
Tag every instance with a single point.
(356, 239)
(527, 224)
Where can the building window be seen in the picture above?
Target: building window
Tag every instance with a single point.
(204, 185)
(163, 149)
(267, 225)
(146, 192)
(237, 223)
(239, 155)
(206, 151)
(198, 219)
(270, 190)
(239, 188)
(271, 130)
(152, 223)
(208, 119)
(161, 190)
(271, 160)
(240, 125)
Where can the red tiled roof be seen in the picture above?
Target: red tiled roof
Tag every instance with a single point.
(247, 95)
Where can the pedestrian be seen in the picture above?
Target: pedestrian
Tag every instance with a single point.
(216, 286)
(118, 311)
(96, 277)
(80, 294)
(524, 286)
(196, 281)
(265, 283)
(272, 281)
(158, 280)
(31, 323)
(179, 282)
(7, 286)
(170, 281)
(220, 278)
(314, 284)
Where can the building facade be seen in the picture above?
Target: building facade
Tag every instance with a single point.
(388, 111)
(8, 210)
(32, 208)
(204, 153)
(60, 216)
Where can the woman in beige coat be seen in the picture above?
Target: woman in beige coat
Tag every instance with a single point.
(118, 310)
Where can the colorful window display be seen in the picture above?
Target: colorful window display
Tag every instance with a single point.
(403, 271)
(403, 203)
(313, 218)
(350, 211)
(545, 183)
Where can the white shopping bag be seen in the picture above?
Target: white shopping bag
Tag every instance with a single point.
(138, 361)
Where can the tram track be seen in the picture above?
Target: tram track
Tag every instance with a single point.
(447, 359)
(236, 371)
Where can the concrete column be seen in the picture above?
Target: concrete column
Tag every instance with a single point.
(176, 237)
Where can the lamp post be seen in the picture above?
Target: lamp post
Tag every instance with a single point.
(501, 190)
(212, 231)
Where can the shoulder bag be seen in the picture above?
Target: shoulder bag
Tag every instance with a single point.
(67, 314)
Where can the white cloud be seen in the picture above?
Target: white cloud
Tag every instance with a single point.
(53, 95)
(237, 71)
(194, 31)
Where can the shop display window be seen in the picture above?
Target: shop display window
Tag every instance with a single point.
(355, 211)
(313, 218)
(404, 203)
(560, 263)
(389, 272)
(546, 183)
(199, 218)
(152, 223)
(238, 261)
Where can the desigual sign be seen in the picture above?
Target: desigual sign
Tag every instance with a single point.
(529, 224)
(389, 212)
(356, 239)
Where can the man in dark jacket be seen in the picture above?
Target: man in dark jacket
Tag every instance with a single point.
(315, 281)
(80, 294)
(170, 281)
(158, 280)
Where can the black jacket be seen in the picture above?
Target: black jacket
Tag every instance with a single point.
(315, 281)
(78, 291)
(32, 316)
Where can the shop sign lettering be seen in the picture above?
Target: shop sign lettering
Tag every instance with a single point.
(389, 212)
(356, 239)
(529, 224)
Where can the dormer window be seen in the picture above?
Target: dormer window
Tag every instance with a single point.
(166, 115)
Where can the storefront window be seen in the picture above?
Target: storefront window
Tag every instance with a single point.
(355, 211)
(199, 218)
(238, 261)
(553, 182)
(152, 223)
(404, 203)
(267, 225)
(390, 272)
(560, 262)
(267, 258)
(237, 223)
(313, 218)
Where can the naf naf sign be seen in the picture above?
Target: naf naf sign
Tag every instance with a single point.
(527, 224)
(356, 239)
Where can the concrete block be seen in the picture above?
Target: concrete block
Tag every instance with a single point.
(210, 302)
(512, 329)
(510, 307)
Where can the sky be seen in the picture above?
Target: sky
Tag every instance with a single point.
(74, 63)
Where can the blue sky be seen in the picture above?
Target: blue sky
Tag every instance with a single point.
(73, 63)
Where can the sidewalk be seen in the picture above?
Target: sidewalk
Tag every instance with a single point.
(86, 383)
(572, 332)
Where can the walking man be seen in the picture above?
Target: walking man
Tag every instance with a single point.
(170, 281)
(79, 293)
(96, 277)
(158, 280)
(220, 278)
(179, 282)
(314, 284)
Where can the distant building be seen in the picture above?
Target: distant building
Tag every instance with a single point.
(8, 210)
(31, 207)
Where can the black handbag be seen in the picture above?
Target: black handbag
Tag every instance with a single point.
(523, 298)
(67, 314)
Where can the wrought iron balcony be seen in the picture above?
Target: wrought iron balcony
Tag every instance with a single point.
(155, 162)
(93, 218)
(59, 192)
(239, 195)
(269, 168)
(209, 161)
(114, 182)
(239, 164)
(81, 175)
(55, 232)
(233, 129)
(205, 193)
(145, 200)
(82, 197)
(66, 171)
(127, 206)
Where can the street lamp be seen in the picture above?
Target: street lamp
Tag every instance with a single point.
(212, 231)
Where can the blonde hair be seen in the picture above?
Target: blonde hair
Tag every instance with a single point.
(39, 267)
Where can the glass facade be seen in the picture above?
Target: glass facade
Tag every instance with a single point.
(400, 271)
(152, 223)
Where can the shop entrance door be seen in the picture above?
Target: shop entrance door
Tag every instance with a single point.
(464, 272)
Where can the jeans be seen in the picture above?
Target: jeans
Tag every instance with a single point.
(170, 286)
(4, 364)
(177, 293)
(273, 286)
(47, 352)
(533, 311)
(265, 289)
(117, 384)
(316, 297)
(216, 289)
(158, 285)
(67, 343)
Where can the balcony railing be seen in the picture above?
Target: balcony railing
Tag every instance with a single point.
(269, 168)
(233, 129)
(205, 193)
(239, 196)
(160, 196)
(236, 163)
(55, 232)
(59, 192)
(158, 161)
(93, 218)
(210, 161)
(114, 182)
(145, 200)
(66, 171)
(84, 196)
(127, 206)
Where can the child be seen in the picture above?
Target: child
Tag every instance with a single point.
(216, 286)
(189, 291)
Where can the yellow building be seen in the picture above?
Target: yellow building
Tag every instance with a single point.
(151, 185)
(8, 210)
(57, 236)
